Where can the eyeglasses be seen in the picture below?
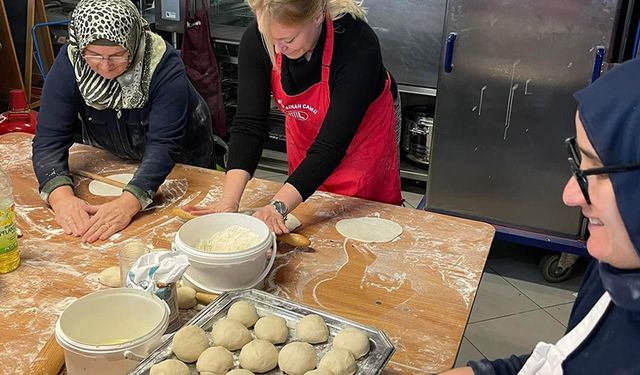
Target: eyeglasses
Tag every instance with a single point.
(110, 59)
(581, 174)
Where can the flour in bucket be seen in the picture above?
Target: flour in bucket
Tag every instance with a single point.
(229, 240)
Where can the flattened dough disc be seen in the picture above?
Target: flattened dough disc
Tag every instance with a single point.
(369, 229)
(105, 190)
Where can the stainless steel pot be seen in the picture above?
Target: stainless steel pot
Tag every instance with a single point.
(417, 131)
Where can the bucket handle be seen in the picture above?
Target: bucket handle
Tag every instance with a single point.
(267, 269)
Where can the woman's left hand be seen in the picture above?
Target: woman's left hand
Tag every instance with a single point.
(112, 217)
(272, 218)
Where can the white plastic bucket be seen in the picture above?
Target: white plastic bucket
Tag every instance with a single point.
(222, 272)
(109, 331)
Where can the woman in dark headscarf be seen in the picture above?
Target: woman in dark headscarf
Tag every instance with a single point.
(603, 335)
(130, 92)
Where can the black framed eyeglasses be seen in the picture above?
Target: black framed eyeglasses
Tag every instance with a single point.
(581, 174)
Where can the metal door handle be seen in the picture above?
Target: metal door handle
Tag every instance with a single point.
(448, 54)
(597, 63)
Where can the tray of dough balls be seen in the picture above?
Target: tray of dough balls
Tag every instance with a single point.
(254, 332)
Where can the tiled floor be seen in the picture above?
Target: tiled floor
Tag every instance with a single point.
(514, 308)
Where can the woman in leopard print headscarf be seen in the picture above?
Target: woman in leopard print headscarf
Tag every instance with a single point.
(120, 87)
(113, 22)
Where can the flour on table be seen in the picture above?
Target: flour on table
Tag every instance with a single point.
(369, 229)
(232, 239)
(105, 190)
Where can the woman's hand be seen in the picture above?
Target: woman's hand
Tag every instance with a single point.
(272, 218)
(222, 205)
(111, 217)
(72, 213)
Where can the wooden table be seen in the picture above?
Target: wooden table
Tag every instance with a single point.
(419, 288)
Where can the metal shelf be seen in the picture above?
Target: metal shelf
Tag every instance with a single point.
(411, 171)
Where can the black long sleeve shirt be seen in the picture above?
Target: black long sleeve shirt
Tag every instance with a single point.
(356, 79)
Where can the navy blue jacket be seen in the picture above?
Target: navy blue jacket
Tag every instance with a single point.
(613, 347)
(174, 126)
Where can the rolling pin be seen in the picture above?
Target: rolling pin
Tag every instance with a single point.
(50, 359)
(97, 177)
(293, 239)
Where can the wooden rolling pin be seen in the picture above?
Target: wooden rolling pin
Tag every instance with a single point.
(293, 239)
(97, 177)
(50, 359)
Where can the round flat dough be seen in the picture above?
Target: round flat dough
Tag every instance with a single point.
(297, 358)
(230, 334)
(369, 229)
(110, 277)
(258, 356)
(169, 367)
(312, 329)
(189, 342)
(339, 362)
(243, 312)
(186, 297)
(106, 190)
(217, 360)
(353, 340)
(272, 328)
(239, 371)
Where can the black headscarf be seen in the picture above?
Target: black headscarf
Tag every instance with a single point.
(610, 112)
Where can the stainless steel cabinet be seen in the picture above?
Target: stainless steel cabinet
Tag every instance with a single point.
(506, 106)
(410, 33)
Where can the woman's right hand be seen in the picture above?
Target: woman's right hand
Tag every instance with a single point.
(72, 213)
(222, 205)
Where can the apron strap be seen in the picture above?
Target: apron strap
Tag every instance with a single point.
(579, 333)
(327, 53)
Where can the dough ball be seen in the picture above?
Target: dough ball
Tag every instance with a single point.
(353, 340)
(319, 371)
(338, 361)
(272, 328)
(239, 371)
(312, 329)
(216, 360)
(296, 358)
(169, 367)
(186, 297)
(230, 334)
(259, 356)
(243, 312)
(110, 277)
(189, 342)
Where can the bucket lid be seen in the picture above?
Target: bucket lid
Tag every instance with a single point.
(111, 320)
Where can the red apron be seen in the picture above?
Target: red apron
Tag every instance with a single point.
(369, 170)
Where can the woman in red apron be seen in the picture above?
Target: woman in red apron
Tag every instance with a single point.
(323, 65)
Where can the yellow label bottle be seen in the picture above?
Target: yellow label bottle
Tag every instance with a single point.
(9, 253)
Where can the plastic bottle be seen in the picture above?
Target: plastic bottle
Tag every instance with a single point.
(9, 252)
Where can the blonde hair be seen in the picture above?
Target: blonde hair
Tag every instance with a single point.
(293, 12)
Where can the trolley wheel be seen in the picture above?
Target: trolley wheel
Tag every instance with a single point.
(549, 268)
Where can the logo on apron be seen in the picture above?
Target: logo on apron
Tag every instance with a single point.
(299, 111)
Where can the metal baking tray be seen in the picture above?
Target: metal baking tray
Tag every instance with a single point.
(292, 312)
